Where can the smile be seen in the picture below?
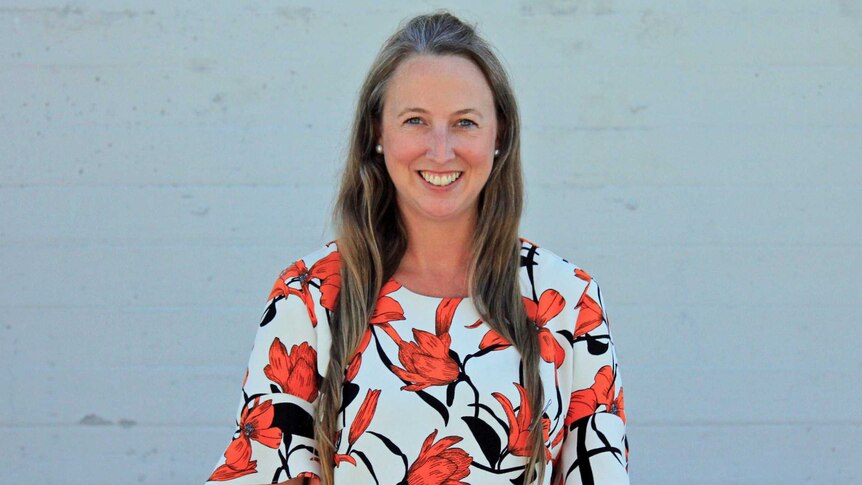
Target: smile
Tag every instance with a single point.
(440, 180)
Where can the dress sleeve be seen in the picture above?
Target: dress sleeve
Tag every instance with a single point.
(595, 446)
(274, 436)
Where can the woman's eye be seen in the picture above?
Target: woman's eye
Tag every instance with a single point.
(464, 123)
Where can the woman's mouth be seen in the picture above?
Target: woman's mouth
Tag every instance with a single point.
(440, 179)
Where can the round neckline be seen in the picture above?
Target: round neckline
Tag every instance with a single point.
(422, 295)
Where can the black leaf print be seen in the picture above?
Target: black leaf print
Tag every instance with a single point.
(519, 479)
(367, 462)
(292, 419)
(251, 398)
(601, 435)
(348, 393)
(583, 461)
(455, 357)
(568, 335)
(436, 404)
(391, 446)
(488, 439)
(450, 393)
(277, 471)
(595, 346)
(484, 351)
(269, 313)
(529, 261)
(493, 415)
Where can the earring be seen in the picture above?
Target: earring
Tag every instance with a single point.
(496, 151)
(379, 148)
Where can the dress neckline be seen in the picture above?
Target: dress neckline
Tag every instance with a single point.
(422, 295)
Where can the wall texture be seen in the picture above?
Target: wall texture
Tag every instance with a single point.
(159, 165)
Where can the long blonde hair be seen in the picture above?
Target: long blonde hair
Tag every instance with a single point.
(372, 238)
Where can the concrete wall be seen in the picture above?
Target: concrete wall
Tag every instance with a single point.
(160, 164)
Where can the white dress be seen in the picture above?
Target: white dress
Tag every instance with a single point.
(433, 395)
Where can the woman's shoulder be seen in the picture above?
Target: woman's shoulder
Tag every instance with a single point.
(550, 281)
(324, 258)
(327, 251)
(318, 271)
(543, 268)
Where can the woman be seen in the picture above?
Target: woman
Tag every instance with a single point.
(429, 343)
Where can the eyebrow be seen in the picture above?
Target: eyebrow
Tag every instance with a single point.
(459, 112)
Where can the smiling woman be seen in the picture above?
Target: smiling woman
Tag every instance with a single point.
(432, 135)
(430, 344)
(438, 154)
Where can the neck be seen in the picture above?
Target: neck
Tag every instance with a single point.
(439, 249)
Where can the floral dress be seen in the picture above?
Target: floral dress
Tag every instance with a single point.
(432, 395)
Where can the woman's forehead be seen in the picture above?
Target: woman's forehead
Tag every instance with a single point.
(448, 83)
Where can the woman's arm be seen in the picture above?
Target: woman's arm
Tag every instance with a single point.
(281, 386)
(595, 447)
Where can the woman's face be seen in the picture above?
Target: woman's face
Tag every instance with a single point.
(438, 132)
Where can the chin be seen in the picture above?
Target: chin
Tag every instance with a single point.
(445, 214)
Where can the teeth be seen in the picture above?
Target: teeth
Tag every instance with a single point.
(440, 180)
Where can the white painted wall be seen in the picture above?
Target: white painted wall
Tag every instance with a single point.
(160, 164)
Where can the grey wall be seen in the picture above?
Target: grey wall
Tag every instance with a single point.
(160, 164)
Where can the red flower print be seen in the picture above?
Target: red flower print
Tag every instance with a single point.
(356, 361)
(295, 372)
(604, 388)
(589, 315)
(550, 349)
(387, 309)
(339, 458)
(445, 313)
(236, 462)
(525, 240)
(363, 416)
(438, 464)
(583, 275)
(493, 338)
(426, 362)
(618, 406)
(519, 425)
(551, 303)
(585, 402)
(255, 424)
(326, 271)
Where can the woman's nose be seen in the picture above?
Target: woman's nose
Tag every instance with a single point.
(441, 148)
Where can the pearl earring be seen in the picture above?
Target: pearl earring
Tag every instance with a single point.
(379, 148)
(496, 152)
